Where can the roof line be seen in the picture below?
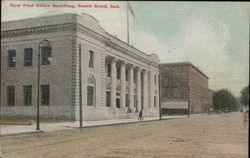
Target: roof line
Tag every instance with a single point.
(184, 63)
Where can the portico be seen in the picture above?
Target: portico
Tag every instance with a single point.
(131, 88)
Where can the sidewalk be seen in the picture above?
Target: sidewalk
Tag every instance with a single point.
(6, 130)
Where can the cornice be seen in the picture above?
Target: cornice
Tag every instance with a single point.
(106, 41)
(92, 34)
(119, 48)
(42, 29)
(78, 27)
(109, 43)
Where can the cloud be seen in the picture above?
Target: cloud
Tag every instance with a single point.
(204, 42)
(201, 42)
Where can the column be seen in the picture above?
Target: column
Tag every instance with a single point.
(113, 82)
(145, 89)
(123, 85)
(151, 87)
(138, 108)
(157, 89)
(131, 89)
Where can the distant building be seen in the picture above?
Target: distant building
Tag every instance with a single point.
(184, 87)
(117, 79)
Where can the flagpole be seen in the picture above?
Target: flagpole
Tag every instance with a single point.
(127, 24)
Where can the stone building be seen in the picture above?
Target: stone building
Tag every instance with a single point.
(184, 87)
(117, 79)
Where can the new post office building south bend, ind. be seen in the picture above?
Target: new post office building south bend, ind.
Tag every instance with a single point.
(117, 80)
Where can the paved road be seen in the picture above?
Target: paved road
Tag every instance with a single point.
(213, 136)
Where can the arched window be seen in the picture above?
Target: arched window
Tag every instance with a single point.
(91, 91)
(45, 47)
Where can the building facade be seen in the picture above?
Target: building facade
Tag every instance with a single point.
(116, 79)
(210, 100)
(184, 88)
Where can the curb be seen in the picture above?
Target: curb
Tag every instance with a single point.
(122, 123)
(90, 126)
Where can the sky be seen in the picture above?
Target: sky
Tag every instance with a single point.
(214, 36)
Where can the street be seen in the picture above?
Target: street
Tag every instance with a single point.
(208, 136)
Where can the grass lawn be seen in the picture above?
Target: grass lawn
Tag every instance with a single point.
(10, 121)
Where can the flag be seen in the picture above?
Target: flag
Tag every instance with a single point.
(131, 10)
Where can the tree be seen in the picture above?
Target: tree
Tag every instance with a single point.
(224, 99)
(244, 98)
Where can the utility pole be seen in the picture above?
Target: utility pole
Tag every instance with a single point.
(188, 101)
(0, 82)
(189, 90)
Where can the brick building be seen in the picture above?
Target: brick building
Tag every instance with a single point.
(184, 87)
(210, 99)
(117, 79)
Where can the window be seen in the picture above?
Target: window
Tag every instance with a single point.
(45, 94)
(183, 96)
(109, 70)
(91, 91)
(172, 96)
(165, 85)
(164, 96)
(12, 58)
(28, 52)
(90, 95)
(108, 99)
(118, 102)
(11, 95)
(134, 76)
(165, 75)
(118, 75)
(155, 80)
(91, 59)
(127, 100)
(46, 54)
(135, 101)
(126, 76)
(184, 74)
(27, 94)
(154, 101)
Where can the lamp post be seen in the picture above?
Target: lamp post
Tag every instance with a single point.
(43, 44)
(80, 84)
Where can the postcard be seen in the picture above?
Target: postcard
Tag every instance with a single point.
(124, 79)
